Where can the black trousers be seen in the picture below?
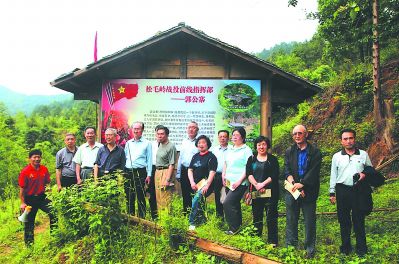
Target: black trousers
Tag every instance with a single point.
(232, 207)
(135, 186)
(153, 198)
(217, 185)
(68, 181)
(259, 206)
(345, 204)
(37, 202)
(186, 190)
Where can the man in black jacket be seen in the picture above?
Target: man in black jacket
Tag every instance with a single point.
(302, 169)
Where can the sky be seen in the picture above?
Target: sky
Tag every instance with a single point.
(42, 39)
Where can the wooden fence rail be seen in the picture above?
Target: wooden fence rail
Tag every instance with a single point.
(209, 247)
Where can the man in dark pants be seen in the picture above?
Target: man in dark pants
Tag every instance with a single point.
(187, 151)
(138, 166)
(345, 164)
(151, 192)
(32, 182)
(65, 168)
(220, 153)
(302, 169)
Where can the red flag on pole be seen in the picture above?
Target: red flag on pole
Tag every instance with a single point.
(95, 48)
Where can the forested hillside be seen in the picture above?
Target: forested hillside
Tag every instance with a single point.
(339, 59)
(44, 129)
(16, 102)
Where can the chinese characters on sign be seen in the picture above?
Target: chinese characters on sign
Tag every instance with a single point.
(178, 121)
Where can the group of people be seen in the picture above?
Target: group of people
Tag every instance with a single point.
(229, 171)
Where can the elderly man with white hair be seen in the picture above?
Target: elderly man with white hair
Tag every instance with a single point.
(138, 151)
(110, 157)
(302, 169)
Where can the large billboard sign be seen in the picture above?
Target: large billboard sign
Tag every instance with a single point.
(213, 104)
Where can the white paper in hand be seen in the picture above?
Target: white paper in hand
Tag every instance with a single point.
(201, 184)
(288, 186)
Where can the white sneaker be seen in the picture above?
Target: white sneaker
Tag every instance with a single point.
(191, 227)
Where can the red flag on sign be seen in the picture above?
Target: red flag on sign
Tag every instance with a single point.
(117, 91)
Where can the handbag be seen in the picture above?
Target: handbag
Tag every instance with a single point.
(222, 194)
(248, 196)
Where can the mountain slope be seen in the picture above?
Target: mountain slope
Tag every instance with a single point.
(16, 102)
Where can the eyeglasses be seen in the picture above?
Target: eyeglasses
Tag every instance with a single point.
(297, 133)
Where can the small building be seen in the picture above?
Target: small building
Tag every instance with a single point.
(183, 52)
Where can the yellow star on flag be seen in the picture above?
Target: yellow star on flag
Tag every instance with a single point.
(121, 89)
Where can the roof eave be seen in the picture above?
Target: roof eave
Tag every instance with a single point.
(195, 33)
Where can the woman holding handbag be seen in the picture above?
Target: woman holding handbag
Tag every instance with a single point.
(263, 170)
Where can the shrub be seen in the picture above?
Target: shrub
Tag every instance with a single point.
(94, 209)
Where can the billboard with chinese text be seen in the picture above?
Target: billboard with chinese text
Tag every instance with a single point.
(213, 104)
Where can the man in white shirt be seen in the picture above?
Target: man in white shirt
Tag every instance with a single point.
(347, 168)
(187, 151)
(138, 166)
(220, 153)
(86, 155)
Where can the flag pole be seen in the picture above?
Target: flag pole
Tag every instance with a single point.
(95, 48)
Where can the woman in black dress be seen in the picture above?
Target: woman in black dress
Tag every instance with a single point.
(202, 167)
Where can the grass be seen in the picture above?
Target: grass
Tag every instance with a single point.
(381, 229)
(143, 247)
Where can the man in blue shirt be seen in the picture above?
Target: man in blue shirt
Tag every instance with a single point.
(302, 169)
(110, 157)
(138, 166)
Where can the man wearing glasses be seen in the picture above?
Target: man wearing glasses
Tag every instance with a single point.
(138, 152)
(302, 169)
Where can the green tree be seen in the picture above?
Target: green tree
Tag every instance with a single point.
(348, 26)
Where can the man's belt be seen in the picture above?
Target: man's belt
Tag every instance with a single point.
(162, 167)
(87, 168)
(134, 169)
(36, 195)
(344, 185)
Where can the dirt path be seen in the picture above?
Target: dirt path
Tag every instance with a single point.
(43, 226)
